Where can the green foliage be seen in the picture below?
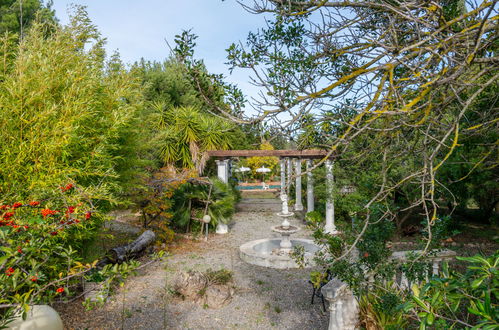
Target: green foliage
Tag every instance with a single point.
(457, 299)
(371, 258)
(167, 83)
(444, 227)
(39, 243)
(314, 218)
(66, 114)
(382, 309)
(223, 202)
(220, 277)
(107, 277)
(450, 300)
(372, 245)
(217, 95)
(178, 121)
(186, 134)
(189, 199)
(17, 13)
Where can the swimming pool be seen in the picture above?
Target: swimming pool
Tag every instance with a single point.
(255, 187)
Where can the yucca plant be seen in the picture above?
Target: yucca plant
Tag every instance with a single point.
(186, 134)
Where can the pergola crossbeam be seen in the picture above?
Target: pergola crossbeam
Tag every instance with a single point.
(304, 154)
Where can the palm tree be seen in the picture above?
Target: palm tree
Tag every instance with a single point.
(187, 134)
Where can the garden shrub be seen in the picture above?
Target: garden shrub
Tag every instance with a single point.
(190, 197)
(455, 299)
(66, 113)
(451, 299)
(39, 243)
(382, 308)
(40, 251)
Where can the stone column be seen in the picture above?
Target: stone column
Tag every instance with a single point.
(343, 307)
(228, 170)
(310, 187)
(290, 173)
(330, 228)
(298, 203)
(222, 170)
(283, 175)
(223, 174)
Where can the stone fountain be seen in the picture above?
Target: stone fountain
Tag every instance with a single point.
(275, 252)
(285, 229)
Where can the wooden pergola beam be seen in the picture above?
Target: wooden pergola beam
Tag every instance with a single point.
(305, 154)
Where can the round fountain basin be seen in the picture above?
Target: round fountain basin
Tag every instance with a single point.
(265, 253)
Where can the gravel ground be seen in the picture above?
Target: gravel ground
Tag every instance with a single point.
(264, 298)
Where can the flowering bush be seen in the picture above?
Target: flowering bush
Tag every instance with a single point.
(39, 241)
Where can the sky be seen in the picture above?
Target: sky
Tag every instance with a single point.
(138, 29)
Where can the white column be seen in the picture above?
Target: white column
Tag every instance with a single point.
(298, 203)
(222, 170)
(310, 187)
(330, 228)
(435, 267)
(227, 170)
(290, 173)
(283, 175)
(223, 174)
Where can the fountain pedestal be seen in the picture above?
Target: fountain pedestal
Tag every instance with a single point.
(285, 231)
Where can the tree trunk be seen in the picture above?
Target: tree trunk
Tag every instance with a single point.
(399, 221)
(123, 253)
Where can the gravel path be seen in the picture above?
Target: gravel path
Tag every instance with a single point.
(264, 298)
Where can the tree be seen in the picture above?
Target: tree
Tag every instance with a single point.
(168, 83)
(416, 71)
(16, 16)
(174, 104)
(400, 91)
(66, 113)
(268, 162)
(186, 134)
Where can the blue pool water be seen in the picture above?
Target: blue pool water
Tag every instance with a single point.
(257, 187)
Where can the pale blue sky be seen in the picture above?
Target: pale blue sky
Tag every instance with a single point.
(139, 28)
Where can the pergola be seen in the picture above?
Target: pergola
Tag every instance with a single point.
(287, 159)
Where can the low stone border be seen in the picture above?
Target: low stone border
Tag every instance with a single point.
(251, 256)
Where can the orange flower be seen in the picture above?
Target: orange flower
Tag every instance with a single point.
(16, 205)
(69, 186)
(59, 290)
(34, 203)
(46, 212)
(10, 271)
